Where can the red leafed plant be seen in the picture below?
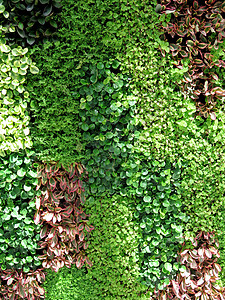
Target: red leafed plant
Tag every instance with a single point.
(19, 285)
(195, 28)
(197, 281)
(59, 209)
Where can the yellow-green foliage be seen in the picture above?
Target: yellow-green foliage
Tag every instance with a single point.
(14, 98)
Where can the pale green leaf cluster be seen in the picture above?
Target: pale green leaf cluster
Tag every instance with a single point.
(14, 116)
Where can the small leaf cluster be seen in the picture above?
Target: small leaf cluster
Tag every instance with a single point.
(19, 285)
(193, 31)
(65, 229)
(198, 273)
(159, 212)
(19, 237)
(114, 250)
(18, 178)
(54, 105)
(67, 283)
(14, 98)
(19, 234)
(107, 112)
(29, 20)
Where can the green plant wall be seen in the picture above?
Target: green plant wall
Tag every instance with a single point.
(102, 94)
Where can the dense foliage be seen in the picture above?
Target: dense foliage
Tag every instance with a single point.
(65, 229)
(19, 234)
(199, 272)
(29, 20)
(19, 285)
(160, 217)
(112, 119)
(195, 28)
(107, 111)
(18, 178)
(113, 251)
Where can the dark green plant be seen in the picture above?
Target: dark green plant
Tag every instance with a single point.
(159, 212)
(19, 234)
(107, 112)
(30, 20)
(18, 179)
(19, 238)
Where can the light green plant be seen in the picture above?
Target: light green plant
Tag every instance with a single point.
(14, 98)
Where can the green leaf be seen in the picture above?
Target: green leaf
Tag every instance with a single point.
(53, 24)
(100, 66)
(20, 26)
(147, 199)
(2, 8)
(26, 269)
(31, 41)
(47, 10)
(32, 174)
(166, 281)
(85, 126)
(27, 188)
(115, 64)
(29, 259)
(168, 267)
(34, 69)
(182, 123)
(6, 14)
(166, 203)
(21, 172)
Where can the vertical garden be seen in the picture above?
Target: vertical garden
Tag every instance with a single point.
(112, 156)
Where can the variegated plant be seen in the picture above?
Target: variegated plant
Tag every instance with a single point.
(16, 284)
(195, 28)
(59, 209)
(198, 274)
